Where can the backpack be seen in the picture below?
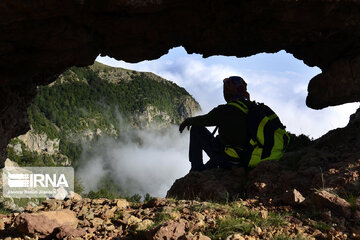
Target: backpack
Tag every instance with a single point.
(268, 138)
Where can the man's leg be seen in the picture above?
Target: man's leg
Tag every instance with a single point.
(201, 139)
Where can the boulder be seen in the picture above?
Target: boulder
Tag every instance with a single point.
(43, 224)
(324, 199)
(214, 184)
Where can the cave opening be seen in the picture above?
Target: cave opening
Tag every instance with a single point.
(113, 162)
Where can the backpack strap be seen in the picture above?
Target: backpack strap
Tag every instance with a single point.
(235, 152)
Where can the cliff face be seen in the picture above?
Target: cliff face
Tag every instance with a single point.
(44, 38)
(36, 142)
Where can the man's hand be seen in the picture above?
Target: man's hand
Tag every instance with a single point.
(184, 124)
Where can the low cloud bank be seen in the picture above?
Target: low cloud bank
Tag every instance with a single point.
(140, 162)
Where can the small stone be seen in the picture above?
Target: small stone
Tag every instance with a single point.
(67, 203)
(200, 224)
(175, 215)
(96, 222)
(110, 213)
(122, 203)
(98, 201)
(110, 228)
(292, 197)
(133, 220)
(50, 204)
(89, 215)
(75, 196)
(258, 230)
(235, 236)
(2, 224)
(144, 224)
(186, 210)
(61, 193)
(264, 214)
(250, 238)
(37, 208)
(199, 216)
(30, 206)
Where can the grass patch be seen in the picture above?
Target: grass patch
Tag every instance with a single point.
(273, 219)
(352, 201)
(4, 210)
(228, 226)
(160, 218)
(323, 227)
(23, 202)
(205, 206)
(240, 219)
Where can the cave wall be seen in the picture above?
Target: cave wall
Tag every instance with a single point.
(39, 39)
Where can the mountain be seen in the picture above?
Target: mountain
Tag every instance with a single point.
(98, 100)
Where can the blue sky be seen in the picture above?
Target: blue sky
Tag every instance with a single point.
(279, 80)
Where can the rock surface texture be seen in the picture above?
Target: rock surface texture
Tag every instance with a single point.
(214, 184)
(41, 39)
(161, 219)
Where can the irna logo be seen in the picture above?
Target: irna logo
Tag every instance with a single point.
(21, 180)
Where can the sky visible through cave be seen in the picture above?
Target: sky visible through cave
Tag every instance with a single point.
(279, 80)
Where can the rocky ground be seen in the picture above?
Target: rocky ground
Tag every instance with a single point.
(321, 180)
(159, 218)
(312, 193)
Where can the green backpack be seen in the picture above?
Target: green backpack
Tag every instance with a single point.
(268, 137)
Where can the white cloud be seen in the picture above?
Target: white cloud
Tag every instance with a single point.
(151, 166)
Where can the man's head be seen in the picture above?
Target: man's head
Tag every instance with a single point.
(235, 88)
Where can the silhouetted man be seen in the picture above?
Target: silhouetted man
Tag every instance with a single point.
(248, 132)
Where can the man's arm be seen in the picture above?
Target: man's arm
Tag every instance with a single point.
(210, 119)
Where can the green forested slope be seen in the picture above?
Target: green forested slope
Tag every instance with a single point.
(99, 98)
